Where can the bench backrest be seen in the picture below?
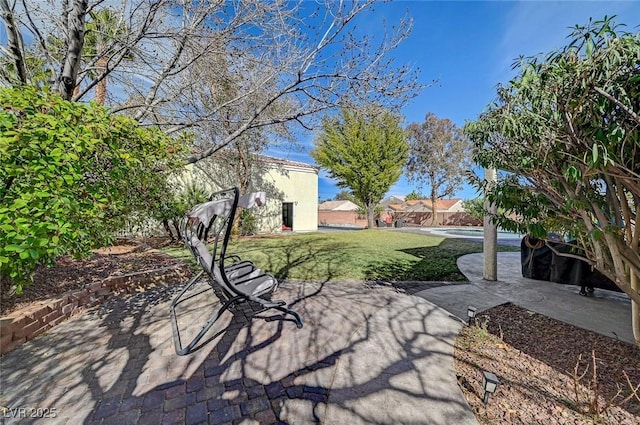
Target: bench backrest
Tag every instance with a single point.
(214, 219)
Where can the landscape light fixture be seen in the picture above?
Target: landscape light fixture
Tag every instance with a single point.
(471, 314)
(489, 383)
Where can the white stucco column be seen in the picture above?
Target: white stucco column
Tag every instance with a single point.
(490, 242)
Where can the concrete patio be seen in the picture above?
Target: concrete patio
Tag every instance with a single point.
(368, 354)
(365, 355)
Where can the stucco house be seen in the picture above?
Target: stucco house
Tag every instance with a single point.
(295, 207)
(340, 213)
(420, 212)
(291, 188)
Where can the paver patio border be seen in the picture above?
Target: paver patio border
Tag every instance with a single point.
(27, 323)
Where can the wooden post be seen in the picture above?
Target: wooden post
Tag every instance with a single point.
(490, 242)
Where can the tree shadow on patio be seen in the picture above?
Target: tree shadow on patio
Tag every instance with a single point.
(117, 362)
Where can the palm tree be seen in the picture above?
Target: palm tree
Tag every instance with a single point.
(103, 29)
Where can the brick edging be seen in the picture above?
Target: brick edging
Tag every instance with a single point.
(25, 324)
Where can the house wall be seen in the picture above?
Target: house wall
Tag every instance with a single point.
(341, 218)
(298, 185)
(283, 183)
(269, 217)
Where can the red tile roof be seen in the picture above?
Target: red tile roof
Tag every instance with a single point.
(338, 206)
(441, 204)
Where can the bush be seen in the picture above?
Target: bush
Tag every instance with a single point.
(173, 206)
(248, 223)
(71, 174)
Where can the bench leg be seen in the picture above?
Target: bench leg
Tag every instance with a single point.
(192, 346)
(295, 315)
(280, 306)
(180, 350)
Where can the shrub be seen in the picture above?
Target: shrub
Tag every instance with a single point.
(71, 174)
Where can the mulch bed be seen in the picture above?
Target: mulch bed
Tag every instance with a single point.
(68, 273)
(539, 361)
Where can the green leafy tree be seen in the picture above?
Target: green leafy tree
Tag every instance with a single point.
(475, 208)
(414, 195)
(71, 174)
(567, 129)
(365, 151)
(440, 156)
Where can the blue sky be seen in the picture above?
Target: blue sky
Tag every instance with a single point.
(469, 47)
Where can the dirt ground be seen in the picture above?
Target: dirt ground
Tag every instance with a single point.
(546, 371)
(69, 273)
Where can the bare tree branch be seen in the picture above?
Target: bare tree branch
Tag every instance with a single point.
(621, 105)
(187, 66)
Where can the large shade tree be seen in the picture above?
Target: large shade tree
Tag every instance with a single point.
(364, 150)
(567, 132)
(439, 158)
(290, 61)
(231, 73)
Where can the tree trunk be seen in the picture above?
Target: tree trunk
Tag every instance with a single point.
(14, 41)
(66, 81)
(167, 229)
(101, 86)
(177, 228)
(434, 214)
(370, 215)
(635, 310)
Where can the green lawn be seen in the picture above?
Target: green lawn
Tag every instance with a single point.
(358, 255)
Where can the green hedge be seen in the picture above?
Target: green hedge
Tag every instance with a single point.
(71, 174)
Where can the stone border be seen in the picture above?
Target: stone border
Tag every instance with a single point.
(27, 323)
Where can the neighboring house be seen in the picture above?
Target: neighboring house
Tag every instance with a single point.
(449, 212)
(291, 188)
(392, 200)
(340, 213)
(448, 205)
